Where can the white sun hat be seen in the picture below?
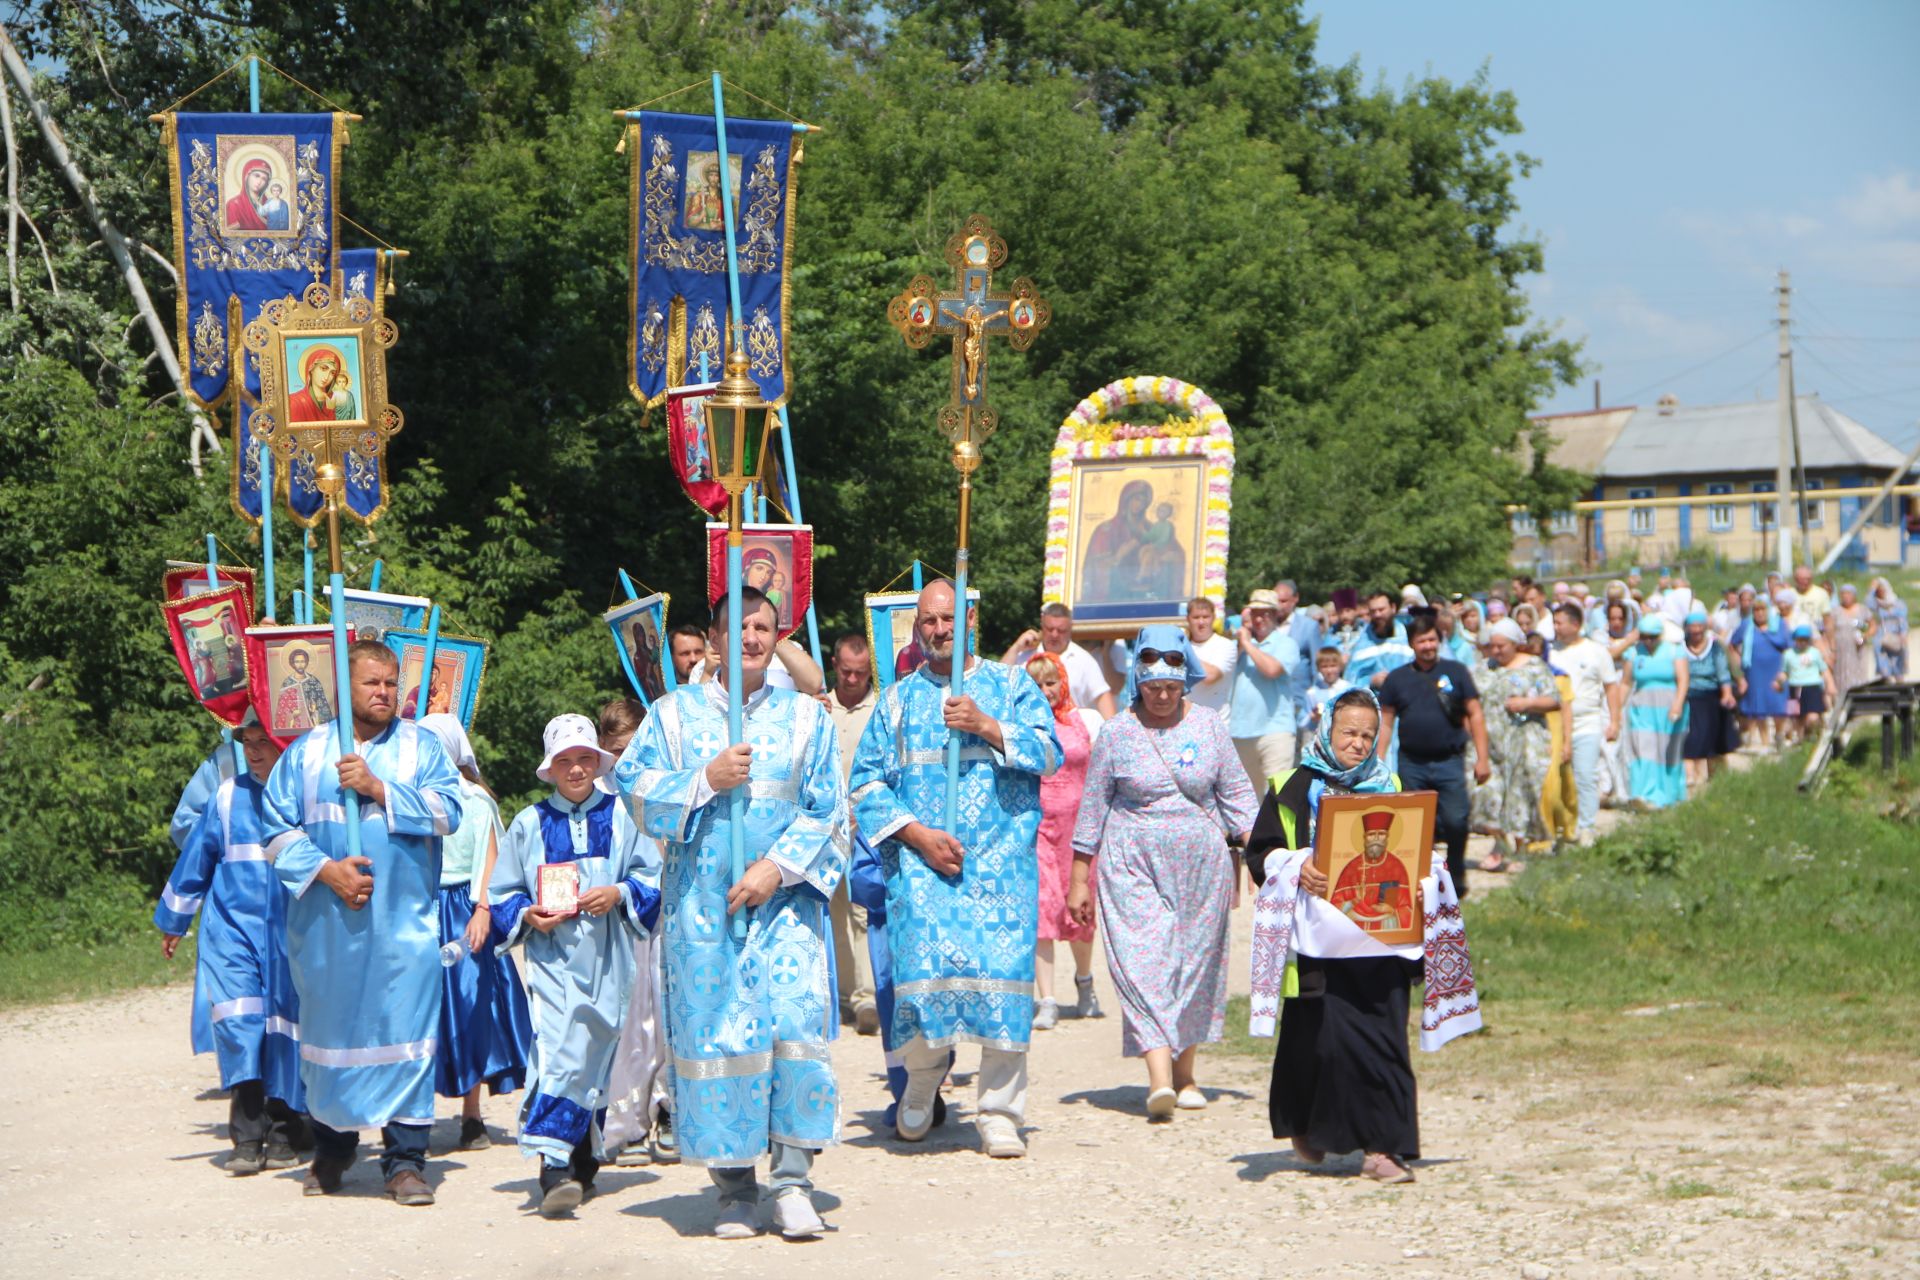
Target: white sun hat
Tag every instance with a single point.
(570, 733)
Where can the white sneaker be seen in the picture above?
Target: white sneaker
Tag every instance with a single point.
(794, 1216)
(914, 1116)
(1191, 1099)
(1046, 1015)
(1000, 1137)
(738, 1221)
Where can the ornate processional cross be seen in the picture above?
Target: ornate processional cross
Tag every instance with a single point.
(972, 313)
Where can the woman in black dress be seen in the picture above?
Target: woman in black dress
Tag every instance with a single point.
(1342, 1074)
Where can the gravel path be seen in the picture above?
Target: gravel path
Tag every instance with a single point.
(115, 1139)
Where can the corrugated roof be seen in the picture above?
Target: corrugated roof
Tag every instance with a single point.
(1581, 440)
(1736, 438)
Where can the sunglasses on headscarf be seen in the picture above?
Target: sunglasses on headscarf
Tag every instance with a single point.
(1162, 657)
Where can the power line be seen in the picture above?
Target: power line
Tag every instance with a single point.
(1687, 373)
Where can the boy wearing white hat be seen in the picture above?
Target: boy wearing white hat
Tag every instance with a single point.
(571, 888)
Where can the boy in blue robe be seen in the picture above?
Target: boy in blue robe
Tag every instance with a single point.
(363, 933)
(244, 1006)
(580, 964)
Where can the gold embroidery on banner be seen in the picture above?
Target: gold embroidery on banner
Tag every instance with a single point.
(705, 341)
(760, 254)
(653, 337)
(763, 344)
(209, 342)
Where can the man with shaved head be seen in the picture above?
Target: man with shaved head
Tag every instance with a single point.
(962, 905)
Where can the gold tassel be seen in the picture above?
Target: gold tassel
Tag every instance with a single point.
(620, 147)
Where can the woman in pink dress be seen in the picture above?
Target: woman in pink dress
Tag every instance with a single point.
(1059, 810)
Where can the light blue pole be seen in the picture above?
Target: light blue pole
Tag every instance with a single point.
(668, 678)
(271, 608)
(736, 732)
(343, 708)
(426, 666)
(374, 583)
(307, 551)
(918, 577)
(213, 584)
(726, 201)
(213, 563)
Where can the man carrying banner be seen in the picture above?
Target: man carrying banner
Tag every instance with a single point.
(362, 932)
(748, 1017)
(962, 906)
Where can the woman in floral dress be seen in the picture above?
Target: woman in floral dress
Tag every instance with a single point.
(1165, 796)
(1517, 694)
(1059, 810)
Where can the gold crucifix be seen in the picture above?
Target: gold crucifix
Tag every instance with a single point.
(972, 313)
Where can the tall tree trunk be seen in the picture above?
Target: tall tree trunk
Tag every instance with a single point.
(22, 77)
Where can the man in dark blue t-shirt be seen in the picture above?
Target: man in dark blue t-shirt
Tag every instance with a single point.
(1434, 703)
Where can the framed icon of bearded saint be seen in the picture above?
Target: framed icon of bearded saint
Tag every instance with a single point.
(1375, 850)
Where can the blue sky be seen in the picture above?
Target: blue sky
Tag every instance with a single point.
(1688, 150)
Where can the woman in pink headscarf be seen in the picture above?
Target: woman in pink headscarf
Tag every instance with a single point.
(1059, 810)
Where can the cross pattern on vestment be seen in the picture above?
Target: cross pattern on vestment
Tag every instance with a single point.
(972, 312)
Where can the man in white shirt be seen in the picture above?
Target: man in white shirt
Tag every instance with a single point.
(1085, 679)
(1217, 657)
(1597, 698)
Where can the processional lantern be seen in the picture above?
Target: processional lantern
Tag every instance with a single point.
(731, 413)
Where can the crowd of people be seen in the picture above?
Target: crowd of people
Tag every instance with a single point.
(657, 954)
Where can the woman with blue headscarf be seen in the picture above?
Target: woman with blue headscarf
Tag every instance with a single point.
(1165, 798)
(1342, 1074)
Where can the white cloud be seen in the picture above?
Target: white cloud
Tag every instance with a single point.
(1884, 203)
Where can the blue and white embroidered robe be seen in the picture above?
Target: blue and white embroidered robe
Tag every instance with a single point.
(580, 975)
(369, 980)
(748, 1021)
(962, 945)
(214, 770)
(244, 1006)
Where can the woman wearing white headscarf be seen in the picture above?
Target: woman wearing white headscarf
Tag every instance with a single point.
(486, 1032)
(1854, 627)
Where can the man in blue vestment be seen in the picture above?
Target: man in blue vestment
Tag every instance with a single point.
(748, 1018)
(962, 905)
(363, 937)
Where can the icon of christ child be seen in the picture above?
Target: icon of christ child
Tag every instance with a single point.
(1374, 890)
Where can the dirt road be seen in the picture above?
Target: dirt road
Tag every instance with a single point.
(114, 1141)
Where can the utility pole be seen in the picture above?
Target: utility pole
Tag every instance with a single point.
(1783, 484)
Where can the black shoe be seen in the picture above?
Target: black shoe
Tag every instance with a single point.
(474, 1135)
(246, 1159)
(583, 1166)
(560, 1193)
(324, 1174)
(281, 1155)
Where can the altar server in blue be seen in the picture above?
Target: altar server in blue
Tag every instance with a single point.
(579, 960)
(962, 906)
(244, 1007)
(363, 934)
(748, 1020)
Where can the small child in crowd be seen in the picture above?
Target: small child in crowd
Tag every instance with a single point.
(1328, 667)
(1806, 678)
(572, 888)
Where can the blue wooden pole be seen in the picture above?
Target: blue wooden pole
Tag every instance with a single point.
(307, 552)
(952, 812)
(426, 666)
(799, 517)
(919, 581)
(213, 566)
(271, 607)
(374, 583)
(726, 201)
(343, 708)
(736, 730)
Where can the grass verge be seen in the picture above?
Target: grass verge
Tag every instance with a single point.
(72, 971)
(1752, 938)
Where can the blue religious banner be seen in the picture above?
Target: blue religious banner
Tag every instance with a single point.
(365, 276)
(255, 217)
(679, 299)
